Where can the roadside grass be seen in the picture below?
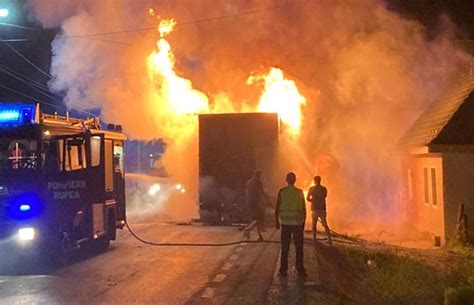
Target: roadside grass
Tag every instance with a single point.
(399, 279)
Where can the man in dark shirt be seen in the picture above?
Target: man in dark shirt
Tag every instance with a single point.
(317, 196)
(255, 200)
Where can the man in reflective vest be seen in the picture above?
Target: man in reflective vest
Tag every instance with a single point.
(290, 211)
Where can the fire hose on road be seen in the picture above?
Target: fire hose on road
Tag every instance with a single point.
(151, 243)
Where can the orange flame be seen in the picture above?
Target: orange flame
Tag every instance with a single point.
(166, 26)
(282, 96)
(175, 95)
(178, 92)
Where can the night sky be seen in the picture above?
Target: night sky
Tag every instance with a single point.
(37, 49)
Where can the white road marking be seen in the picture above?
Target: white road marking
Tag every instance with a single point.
(239, 249)
(227, 266)
(219, 278)
(208, 293)
(234, 257)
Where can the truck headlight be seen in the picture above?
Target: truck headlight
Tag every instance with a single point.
(25, 234)
(155, 188)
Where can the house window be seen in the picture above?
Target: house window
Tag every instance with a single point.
(430, 186)
(426, 185)
(434, 193)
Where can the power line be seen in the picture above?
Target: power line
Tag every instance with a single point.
(97, 39)
(14, 40)
(110, 33)
(256, 58)
(29, 96)
(33, 86)
(241, 13)
(46, 103)
(26, 59)
(61, 36)
(187, 22)
(18, 92)
(89, 36)
(20, 27)
(33, 82)
(154, 27)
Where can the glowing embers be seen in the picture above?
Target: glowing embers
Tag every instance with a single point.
(25, 206)
(12, 115)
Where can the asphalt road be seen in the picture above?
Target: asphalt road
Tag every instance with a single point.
(132, 272)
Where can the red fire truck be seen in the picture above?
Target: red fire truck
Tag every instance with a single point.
(61, 181)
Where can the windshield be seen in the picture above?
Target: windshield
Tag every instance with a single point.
(18, 154)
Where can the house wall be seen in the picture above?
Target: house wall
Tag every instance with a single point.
(458, 171)
(424, 195)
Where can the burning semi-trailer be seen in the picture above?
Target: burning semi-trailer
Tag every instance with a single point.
(231, 148)
(61, 181)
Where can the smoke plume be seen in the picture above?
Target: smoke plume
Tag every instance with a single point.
(366, 73)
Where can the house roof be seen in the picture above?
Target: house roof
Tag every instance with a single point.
(431, 123)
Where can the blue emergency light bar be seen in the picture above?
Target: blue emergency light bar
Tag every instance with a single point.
(14, 115)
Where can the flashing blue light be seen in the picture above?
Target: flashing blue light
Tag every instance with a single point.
(9, 116)
(25, 207)
(12, 115)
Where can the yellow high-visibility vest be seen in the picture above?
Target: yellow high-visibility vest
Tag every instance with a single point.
(292, 206)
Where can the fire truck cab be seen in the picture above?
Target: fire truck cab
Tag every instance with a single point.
(61, 181)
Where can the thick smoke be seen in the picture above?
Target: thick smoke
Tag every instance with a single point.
(366, 72)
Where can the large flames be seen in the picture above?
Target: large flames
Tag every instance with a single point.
(177, 91)
(279, 95)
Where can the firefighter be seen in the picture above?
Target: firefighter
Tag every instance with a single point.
(290, 211)
(255, 201)
(317, 196)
